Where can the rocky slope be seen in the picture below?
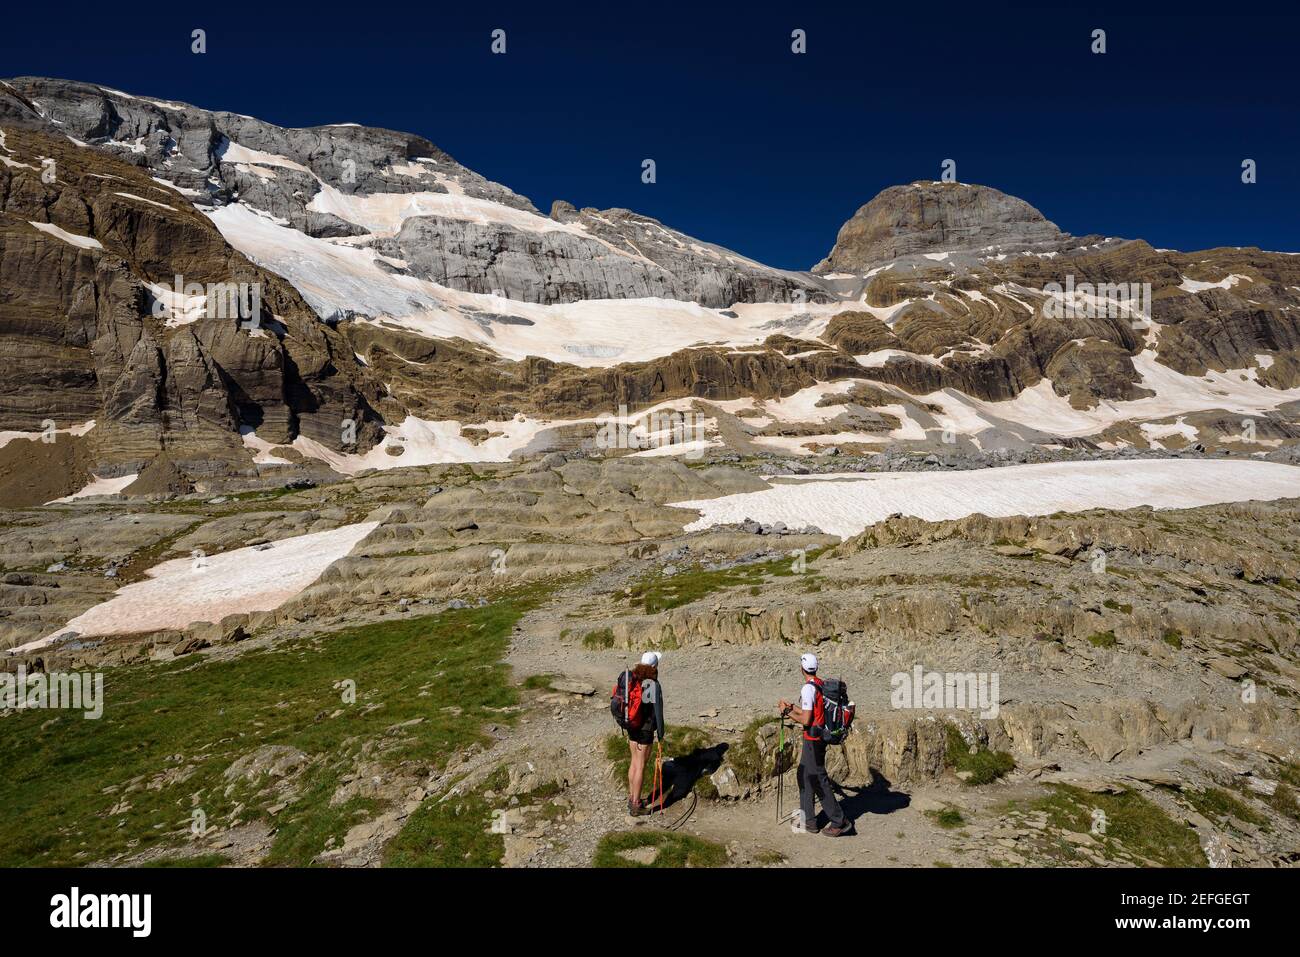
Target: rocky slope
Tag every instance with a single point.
(1164, 676)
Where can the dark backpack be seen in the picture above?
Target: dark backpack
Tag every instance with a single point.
(837, 711)
(625, 705)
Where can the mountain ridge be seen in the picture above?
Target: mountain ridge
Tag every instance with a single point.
(458, 322)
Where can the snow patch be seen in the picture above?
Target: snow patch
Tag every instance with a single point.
(178, 309)
(141, 199)
(339, 278)
(75, 430)
(262, 454)
(231, 152)
(1227, 282)
(72, 239)
(847, 503)
(1155, 431)
(383, 213)
(98, 486)
(185, 590)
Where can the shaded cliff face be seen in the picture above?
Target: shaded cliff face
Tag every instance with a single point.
(923, 217)
(90, 331)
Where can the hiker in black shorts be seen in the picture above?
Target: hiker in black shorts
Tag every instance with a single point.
(641, 735)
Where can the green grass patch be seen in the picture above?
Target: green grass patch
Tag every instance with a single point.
(984, 766)
(1216, 804)
(1103, 639)
(1114, 605)
(949, 818)
(1283, 801)
(1172, 637)
(1283, 797)
(145, 558)
(538, 682)
(449, 833)
(75, 791)
(686, 742)
(603, 638)
(671, 850)
(750, 766)
(658, 592)
(1133, 824)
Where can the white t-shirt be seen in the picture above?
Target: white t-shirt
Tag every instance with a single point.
(808, 696)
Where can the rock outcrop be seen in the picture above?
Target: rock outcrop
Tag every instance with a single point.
(936, 217)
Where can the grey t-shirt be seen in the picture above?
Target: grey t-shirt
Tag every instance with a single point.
(653, 693)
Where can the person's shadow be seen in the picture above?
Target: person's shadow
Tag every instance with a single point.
(682, 772)
(877, 797)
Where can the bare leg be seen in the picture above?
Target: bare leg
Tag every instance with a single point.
(636, 771)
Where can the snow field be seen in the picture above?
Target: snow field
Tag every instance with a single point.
(845, 504)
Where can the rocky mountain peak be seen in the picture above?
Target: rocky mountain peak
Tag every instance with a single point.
(930, 216)
(562, 211)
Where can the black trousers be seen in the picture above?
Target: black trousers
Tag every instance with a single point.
(813, 779)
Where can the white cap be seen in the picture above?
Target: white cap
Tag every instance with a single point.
(808, 662)
(650, 658)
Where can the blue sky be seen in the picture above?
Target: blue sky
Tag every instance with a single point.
(757, 148)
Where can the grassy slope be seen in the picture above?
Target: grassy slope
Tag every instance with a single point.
(671, 850)
(1133, 824)
(658, 592)
(194, 717)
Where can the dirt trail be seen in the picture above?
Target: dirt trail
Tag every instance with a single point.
(716, 689)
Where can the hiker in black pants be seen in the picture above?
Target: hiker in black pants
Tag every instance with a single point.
(811, 773)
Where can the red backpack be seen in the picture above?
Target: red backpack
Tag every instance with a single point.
(625, 704)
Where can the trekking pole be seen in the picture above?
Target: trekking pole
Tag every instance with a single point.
(780, 771)
(659, 778)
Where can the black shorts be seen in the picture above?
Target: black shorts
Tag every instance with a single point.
(642, 735)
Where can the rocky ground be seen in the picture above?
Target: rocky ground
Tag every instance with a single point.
(1145, 712)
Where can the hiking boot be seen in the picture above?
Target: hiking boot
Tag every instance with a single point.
(831, 830)
(637, 810)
